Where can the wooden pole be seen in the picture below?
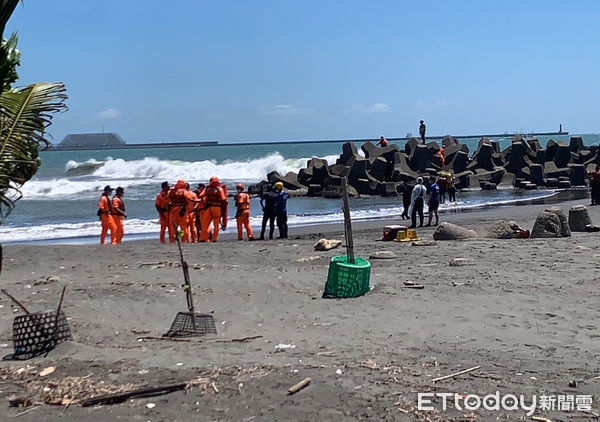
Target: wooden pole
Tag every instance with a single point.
(347, 222)
(188, 285)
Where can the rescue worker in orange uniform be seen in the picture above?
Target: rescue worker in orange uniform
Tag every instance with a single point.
(215, 201)
(162, 206)
(192, 206)
(199, 207)
(180, 198)
(118, 213)
(105, 214)
(242, 203)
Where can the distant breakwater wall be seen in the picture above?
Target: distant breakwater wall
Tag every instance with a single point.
(386, 171)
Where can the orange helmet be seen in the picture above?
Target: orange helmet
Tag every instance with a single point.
(239, 186)
(180, 184)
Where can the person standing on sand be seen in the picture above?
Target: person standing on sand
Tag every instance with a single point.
(405, 191)
(281, 210)
(198, 222)
(161, 203)
(268, 203)
(422, 129)
(242, 215)
(417, 200)
(595, 186)
(434, 201)
(118, 212)
(215, 198)
(443, 185)
(105, 214)
(451, 188)
(191, 208)
(382, 141)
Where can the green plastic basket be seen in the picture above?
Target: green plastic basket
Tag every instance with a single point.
(346, 279)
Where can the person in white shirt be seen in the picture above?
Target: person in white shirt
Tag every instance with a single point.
(417, 200)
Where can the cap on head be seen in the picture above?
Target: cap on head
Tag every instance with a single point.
(180, 184)
(239, 186)
(214, 181)
(278, 186)
(164, 185)
(422, 121)
(107, 188)
(419, 180)
(120, 190)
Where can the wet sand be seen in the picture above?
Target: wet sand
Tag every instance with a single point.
(526, 312)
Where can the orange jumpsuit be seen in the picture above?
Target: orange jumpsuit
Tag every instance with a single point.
(178, 213)
(108, 223)
(117, 203)
(193, 236)
(214, 196)
(242, 203)
(162, 206)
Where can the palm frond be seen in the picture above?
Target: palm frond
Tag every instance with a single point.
(24, 115)
(7, 7)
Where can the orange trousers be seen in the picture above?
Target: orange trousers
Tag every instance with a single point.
(193, 236)
(210, 215)
(120, 229)
(179, 222)
(164, 225)
(243, 219)
(108, 223)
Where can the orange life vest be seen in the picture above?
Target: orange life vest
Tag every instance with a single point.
(214, 196)
(243, 201)
(177, 197)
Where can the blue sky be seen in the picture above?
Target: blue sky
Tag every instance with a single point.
(289, 70)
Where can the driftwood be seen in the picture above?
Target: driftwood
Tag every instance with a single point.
(163, 338)
(445, 377)
(299, 386)
(137, 393)
(239, 340)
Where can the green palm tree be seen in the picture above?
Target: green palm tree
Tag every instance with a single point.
(25, 114)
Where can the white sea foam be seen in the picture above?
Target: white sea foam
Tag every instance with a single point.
(151, 171)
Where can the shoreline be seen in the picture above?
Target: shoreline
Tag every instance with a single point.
(558, 197)
(524, 311)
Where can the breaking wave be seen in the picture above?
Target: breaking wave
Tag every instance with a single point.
(87, 178)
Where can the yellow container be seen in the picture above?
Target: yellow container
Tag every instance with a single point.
(412, 234)
(401, 235)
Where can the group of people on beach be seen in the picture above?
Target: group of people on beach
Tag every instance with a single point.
(434, 192)
(197, 215)
(112, 213)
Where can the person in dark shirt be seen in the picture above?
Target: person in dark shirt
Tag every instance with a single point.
(281, 210)
(422, 129)
(268, 202)
(595, 186)
(443, 185)
(434, 201)
(405, 190)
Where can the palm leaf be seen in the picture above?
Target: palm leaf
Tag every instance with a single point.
(7, 7)
(24, 115)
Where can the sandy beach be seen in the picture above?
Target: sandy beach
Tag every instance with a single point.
(525, 313)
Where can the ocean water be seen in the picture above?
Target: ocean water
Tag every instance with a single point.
(59, 204)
